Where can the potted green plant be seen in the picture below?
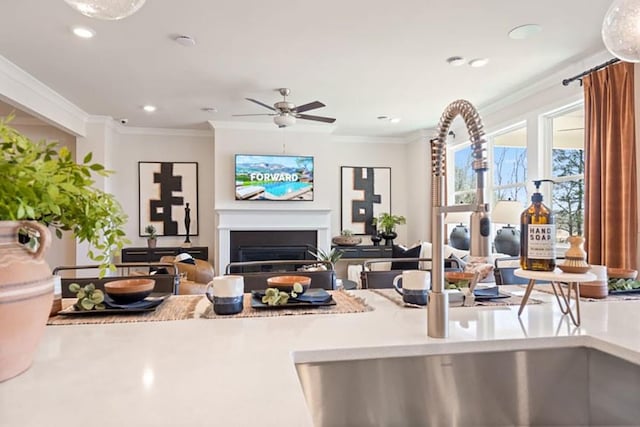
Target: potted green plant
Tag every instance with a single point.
(43, 188)
(386, 225)
(152, 235)
(346, 238)
(332, 256)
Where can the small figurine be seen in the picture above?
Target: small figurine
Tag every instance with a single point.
(187, 223)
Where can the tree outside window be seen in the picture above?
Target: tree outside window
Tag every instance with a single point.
(507, 174)
(568, 173)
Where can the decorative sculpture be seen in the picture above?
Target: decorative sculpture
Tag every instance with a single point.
(187, 223)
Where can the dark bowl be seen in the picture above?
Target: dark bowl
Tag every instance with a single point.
(127, 291)
(285, 283)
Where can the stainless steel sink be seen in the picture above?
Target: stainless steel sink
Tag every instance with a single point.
(573, 386)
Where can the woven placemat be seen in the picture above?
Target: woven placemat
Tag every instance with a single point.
(345, 303)
(546, 288)
(513, 299)
(176, 307)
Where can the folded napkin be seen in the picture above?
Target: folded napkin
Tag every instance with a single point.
(312, 296)
(148, 302)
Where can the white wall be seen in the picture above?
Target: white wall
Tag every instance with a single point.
(130, 146)
(330, 153)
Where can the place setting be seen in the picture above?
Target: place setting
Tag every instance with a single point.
(282, 295)
(411, 289)
(122, 301)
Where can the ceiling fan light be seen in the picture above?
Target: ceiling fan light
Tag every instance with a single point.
(621, 30)
(110, 10)
(284, 120)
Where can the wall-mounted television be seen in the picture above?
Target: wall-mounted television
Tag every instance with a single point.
(274, 177)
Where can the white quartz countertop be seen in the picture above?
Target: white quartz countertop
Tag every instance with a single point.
(241, 372)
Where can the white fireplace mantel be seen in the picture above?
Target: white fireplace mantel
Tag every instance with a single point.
(270, 219)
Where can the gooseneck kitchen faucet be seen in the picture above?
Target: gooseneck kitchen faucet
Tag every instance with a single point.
(438, 306)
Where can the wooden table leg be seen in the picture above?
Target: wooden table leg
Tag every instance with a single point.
(525, 298)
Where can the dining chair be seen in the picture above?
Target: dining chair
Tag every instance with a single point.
(256, 273)
(381, 279)
(165, 283)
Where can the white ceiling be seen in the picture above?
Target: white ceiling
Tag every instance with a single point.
(361, 58)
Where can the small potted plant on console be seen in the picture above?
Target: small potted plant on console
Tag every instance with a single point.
(386, 224)
(152, 236)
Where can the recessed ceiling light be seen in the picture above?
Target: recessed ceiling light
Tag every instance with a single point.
(83, 32)
(524, 31)
(395, 120)
(479, 62)
(149, 108)
(184, 40)
(455, 61)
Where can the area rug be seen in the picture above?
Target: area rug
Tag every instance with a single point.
(513, 299)
(345, 303)
(176, 307)
(546, 288)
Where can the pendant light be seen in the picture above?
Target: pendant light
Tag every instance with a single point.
(621, 30)
(110, 10)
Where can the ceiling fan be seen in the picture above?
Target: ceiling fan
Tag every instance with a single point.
(285, 113)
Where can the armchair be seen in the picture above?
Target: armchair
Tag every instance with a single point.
(199, 274)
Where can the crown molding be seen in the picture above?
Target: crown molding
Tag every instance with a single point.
(347, 139)
(126, 130)
(270, 127)
(21, 90)
(536, 85)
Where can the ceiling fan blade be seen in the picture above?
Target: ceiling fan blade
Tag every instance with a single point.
(316, 118)
(261, 103)
(245, 115)
(310, 106)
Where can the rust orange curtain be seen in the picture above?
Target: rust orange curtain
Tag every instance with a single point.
(611, 211)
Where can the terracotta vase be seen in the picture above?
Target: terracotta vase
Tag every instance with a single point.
(26, 294)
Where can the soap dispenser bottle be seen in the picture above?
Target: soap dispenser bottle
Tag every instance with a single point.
(537, 234)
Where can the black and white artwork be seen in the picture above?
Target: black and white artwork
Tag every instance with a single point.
(366, 193)
(165, 189)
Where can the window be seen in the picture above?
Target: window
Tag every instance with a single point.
(464, 176)
(567, 154)
(509, 165)
(507, 175)
(556, 151)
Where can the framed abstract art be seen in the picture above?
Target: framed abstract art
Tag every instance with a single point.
(168, 197)
(365, 193)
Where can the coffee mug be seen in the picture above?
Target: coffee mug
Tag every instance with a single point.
(415, 286)
(599, 288)
(226, 293)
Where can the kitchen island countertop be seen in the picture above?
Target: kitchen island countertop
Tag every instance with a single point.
(241, 372)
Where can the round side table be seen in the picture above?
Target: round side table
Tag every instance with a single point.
(557, 277)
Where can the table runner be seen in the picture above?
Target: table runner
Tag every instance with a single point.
(546, 288)
(346, 303)
(182, 307)
(513, 299)
(176, 307)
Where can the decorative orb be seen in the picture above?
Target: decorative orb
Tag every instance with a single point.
(106, 9)
(621, 30)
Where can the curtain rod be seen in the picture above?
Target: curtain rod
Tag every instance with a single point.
(566, 82)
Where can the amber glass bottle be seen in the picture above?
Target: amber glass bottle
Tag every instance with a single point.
(537, 235)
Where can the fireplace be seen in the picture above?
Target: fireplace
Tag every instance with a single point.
(312, 225)
(262, 245)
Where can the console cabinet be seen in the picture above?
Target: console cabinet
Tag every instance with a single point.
(154, 254)
(365, 251)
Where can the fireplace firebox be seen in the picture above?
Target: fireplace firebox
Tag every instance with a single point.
(267, 245)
